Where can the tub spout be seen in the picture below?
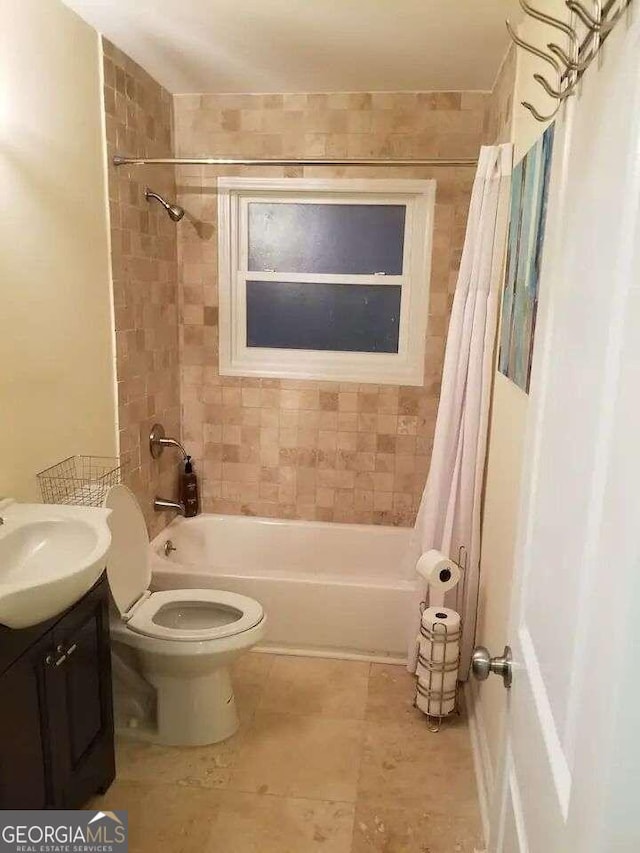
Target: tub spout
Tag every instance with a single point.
(161, 504)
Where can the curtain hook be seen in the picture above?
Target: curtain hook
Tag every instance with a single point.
(596, 25)
(558, 94)
(553, 22)
(566, 61)
(532, 48)
(538, 116)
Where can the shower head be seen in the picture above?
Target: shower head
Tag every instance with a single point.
(174, 210)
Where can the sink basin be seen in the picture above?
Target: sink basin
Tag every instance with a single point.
(50, 556)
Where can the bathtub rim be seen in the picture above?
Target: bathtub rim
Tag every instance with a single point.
(405, 578)
(267, 521)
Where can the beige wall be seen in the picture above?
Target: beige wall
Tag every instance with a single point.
(144, 251)
(509, 410)
(498, 118)
(315, 450)
(56, 353)
(500, 508)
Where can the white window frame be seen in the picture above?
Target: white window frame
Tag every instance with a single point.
(406, 367)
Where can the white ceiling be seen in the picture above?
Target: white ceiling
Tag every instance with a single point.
(308, 45)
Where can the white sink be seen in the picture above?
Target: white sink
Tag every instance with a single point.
(50, 556)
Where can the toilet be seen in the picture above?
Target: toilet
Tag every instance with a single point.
(171, 650)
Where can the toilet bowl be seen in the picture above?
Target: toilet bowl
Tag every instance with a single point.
(173, 648)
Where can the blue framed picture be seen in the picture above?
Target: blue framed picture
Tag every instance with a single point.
(529, 192)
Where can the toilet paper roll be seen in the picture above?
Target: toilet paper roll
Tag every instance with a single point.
(437, 667)
(434, 707)
(439, 650)
(441, 573)
(439, 653)
(437, 682)
(434, 616)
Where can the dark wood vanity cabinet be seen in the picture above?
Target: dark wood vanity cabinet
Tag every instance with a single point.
(56, 713)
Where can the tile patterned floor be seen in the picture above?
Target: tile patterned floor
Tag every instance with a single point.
(331, 757)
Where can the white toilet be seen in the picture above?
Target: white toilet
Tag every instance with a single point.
(173, 649)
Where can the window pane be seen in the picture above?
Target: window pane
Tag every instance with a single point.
(340, 239)
(339, 317)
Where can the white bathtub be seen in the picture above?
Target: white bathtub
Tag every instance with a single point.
(333, 589)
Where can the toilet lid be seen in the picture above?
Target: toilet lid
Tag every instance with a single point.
(128, 565)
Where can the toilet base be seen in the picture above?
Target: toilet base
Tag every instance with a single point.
(192, 711)
(174, 692)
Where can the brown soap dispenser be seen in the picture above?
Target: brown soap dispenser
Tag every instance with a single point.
(189, 490)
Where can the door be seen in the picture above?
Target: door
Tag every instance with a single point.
(24, 739)
(79, 687)
(569, 780)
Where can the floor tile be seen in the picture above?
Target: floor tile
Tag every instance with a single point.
(410, 765)
(391, 694)
(331, 756)
(296, 756)
(257, 823)
(249, 674)
(163, 817)
(402, 830)
(317, 687)
(195, 766)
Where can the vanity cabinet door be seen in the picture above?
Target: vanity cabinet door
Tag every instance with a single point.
(25, 778)
(79, 685)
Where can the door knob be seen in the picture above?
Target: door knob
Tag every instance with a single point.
(482, 664)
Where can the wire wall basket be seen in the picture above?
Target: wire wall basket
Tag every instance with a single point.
(80, 480)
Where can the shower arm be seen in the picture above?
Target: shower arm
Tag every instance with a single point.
(151, 194)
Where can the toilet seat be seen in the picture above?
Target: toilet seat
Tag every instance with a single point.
(143, 617)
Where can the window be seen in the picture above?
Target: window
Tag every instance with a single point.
(324, 279)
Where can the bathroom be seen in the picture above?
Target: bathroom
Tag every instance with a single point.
(122, 283)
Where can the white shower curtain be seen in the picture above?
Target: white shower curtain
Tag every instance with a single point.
(449, 514)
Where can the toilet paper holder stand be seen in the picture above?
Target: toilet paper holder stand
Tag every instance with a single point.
(436, 637)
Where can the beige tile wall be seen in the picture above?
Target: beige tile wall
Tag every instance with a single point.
(314, 450)
(144, 255)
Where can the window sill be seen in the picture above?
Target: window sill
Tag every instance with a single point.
(380, 369)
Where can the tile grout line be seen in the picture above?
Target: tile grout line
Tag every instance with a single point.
(361, 759)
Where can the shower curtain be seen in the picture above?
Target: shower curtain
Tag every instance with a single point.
(449, 513)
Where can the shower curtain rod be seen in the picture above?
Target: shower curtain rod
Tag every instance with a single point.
(121, 160)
